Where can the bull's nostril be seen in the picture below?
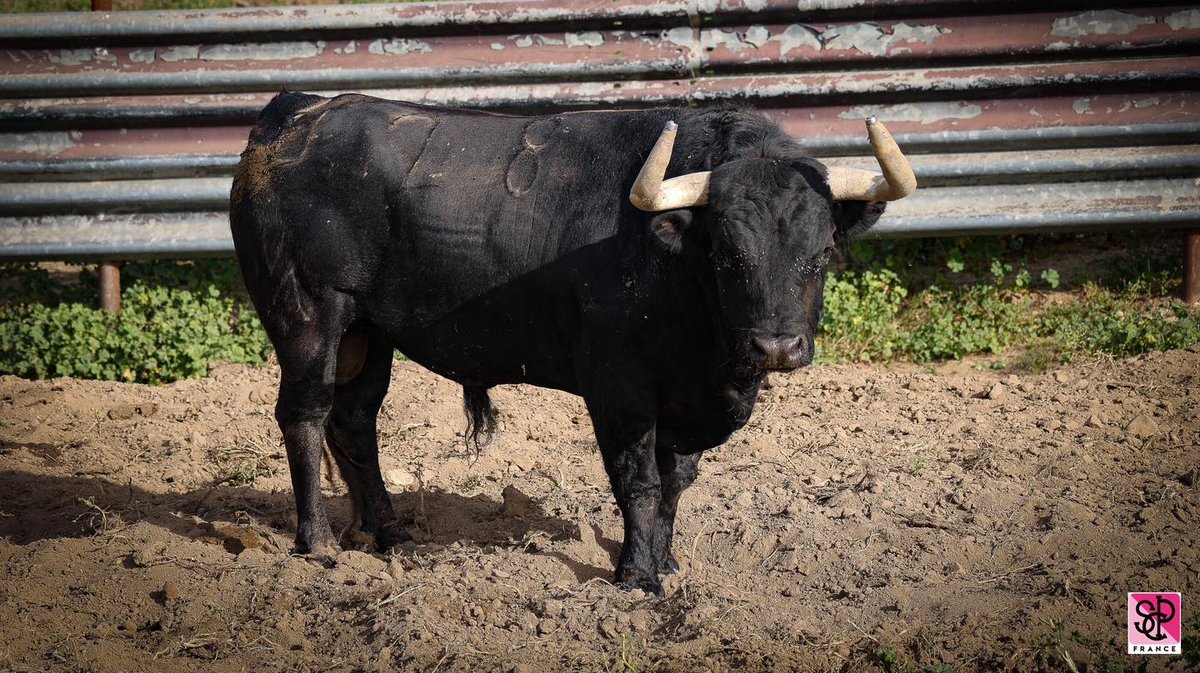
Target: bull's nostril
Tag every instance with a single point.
(761, 346)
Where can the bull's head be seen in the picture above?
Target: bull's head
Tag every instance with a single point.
(768, 232)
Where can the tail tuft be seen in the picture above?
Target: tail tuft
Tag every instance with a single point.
(481, 417)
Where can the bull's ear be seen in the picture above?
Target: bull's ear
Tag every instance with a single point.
(852, 218)
(668, 228)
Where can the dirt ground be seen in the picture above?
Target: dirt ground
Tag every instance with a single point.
(897, 519)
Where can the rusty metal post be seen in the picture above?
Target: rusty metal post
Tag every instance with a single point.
(1191, 266)
(109, 272)
(110, 287)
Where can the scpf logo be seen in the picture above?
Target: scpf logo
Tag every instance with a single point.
(1155, 623)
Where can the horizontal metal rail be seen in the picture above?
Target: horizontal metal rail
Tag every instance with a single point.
(501, 16)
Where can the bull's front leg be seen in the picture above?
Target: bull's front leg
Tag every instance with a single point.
(677, 472)
(635, 482)
(621, 405)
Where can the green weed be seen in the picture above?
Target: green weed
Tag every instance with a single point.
(926, 301)
(892, 662)
(916, 466)
(627, 660)
(164, 331)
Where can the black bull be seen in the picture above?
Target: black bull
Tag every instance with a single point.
(498, 249)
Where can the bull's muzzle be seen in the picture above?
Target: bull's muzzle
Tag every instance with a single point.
(780, 353)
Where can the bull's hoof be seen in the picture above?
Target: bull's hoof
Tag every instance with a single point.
(668, 565)
(326, 556)
(318, 549)
(650, 585)
(390, 538)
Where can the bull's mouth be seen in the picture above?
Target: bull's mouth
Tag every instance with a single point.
(784, 368)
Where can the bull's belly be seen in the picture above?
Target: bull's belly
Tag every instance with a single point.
(480, 355)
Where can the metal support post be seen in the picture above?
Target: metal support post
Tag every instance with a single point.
(110, 287)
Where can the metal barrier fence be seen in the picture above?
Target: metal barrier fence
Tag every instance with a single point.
(119, 131)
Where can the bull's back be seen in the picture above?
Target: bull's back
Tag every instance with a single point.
(459, 233)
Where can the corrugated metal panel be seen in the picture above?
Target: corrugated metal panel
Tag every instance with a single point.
(118, 132)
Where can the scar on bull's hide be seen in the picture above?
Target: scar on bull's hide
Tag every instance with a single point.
(408, 124)
(289, 292)
(352, 353)
(315, 106)
(523, 170)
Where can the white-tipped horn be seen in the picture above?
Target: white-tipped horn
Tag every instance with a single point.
(897, 181)
(651, 193)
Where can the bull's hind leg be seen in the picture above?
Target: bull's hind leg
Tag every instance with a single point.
(363, 373)
(307, 358)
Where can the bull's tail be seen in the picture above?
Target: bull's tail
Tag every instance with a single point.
(481, 417)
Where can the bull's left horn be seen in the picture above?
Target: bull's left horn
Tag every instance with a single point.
(651, 193)
(897, 181)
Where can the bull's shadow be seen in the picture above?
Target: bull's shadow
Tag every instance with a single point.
(38, 507)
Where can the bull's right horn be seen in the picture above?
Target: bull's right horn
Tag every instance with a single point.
(651, 193)
(897, 181)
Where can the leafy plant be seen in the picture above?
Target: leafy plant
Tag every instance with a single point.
(1105, 322)
(860, 314)
(890, 660)
(163, 333)
(932, 300)
(916, 466)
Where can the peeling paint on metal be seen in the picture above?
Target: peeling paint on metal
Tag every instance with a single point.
(185, 53)
(1099, 22)
(523, 41)
(70, 56)
(1183, 20)
(864, 37)
(1058, 46)
(350, 48)
(902, 32)
(1147, 102)
(712, 38)
(681, 36)
(757, 36)
(593, 88)
(869, 38)
(588, 39)
(1082, 106)
(398, 46)
(142, 56)
(756, 5)
(39, 142)
(270, 51)
(925, 113)
(497, 46)
(797, 36)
